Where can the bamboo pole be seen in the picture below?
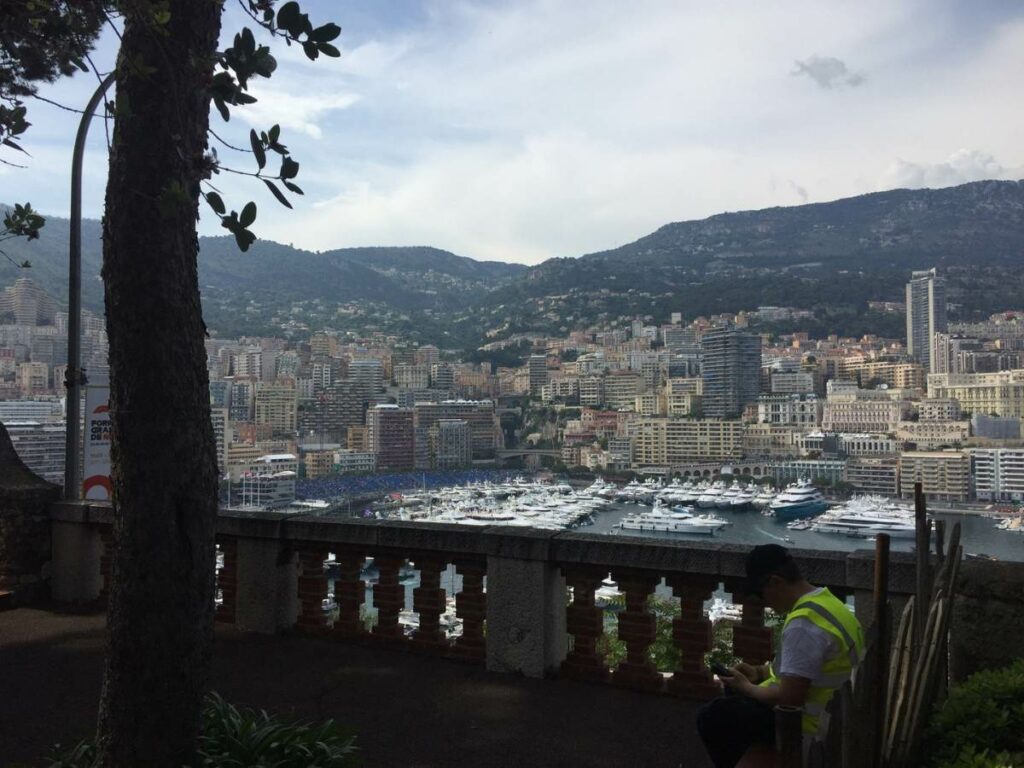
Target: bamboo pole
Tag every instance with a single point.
(882, 647)
(923, 587)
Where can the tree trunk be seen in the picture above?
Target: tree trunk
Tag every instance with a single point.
(163, 454)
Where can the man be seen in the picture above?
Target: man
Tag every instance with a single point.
(822, 641)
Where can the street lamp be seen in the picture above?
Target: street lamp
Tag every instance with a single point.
(74, 377)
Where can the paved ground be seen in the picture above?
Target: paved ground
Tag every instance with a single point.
(409, 711)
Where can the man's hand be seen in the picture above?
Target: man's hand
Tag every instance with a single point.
(749, 671)
(738, 681)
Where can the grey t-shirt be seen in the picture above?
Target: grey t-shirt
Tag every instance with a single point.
(805, 648)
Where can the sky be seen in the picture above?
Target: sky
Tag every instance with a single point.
(521, 131)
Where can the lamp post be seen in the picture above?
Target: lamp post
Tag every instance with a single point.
(74, 378)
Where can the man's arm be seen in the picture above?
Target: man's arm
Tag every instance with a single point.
(791, 690)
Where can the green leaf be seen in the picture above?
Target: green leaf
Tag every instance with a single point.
(329, 50)
(289, 168)
(325, 34)
(257, 149)
(311, 51)
(274, 133)
(277, 193)
(288, 15)
(215, 202)
(244, 238)
(248, 214)
(293, 187)
(222, 108)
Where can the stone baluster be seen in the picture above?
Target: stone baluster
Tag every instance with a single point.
(428, 600)
(637, 626)
(106, 561)
(312, 589)
(471, 607)
(388, 598)
(349, 592)
(585, 622)
(227, 581)
(692, 635)
(751, 639)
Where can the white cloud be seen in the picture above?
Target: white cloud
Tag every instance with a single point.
(828, 72)
(962, 166)
(305, 112)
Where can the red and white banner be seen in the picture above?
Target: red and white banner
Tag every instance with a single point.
(96, 483)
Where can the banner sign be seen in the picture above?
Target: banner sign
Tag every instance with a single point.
(97, 485)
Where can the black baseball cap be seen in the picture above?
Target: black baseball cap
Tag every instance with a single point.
(763, 561)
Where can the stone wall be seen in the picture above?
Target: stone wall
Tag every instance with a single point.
(988, 617)
(24, 529)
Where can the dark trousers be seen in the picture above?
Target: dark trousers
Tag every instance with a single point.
(729, 725)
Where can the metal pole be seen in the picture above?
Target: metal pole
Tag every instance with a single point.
(74, 377)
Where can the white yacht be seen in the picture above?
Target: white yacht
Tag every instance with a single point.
(659, 519)
(866, 517)
(711, 496)
(801, 499)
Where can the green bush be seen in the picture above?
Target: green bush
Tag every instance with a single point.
(981, 725)
(233, 738)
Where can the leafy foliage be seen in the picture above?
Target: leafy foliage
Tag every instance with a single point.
(981, 724)
(234, 738)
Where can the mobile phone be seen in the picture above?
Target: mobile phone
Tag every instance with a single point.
(720, 669)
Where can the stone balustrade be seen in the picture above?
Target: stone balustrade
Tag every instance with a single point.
(514, 601)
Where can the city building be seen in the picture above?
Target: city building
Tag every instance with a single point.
(791, 382)
(850, 409)
(450, 444)
(944, 475)
(392, 437)
(621, 389)
(995, 427)
(348, 461)
(998, 473)
(33, 379)
(879, 476)
(938, 409)
(31, 410)
(931, 435)
(795, 409)
(276, 404)
(667, 442)
(731, 370)
(926, 314)
(41, 446)
(828, 471)
(767, 439)
(480, 415)
(368, 372)
(992, 394)
(538, 371)
(25, 303)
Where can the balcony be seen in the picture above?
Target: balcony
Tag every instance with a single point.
(524, 682)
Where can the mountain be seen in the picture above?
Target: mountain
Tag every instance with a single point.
(829, 258)
(244, 292)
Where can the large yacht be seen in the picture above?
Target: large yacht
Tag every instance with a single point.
(711, 496)
(867, 516)
(801, 499)
(672, 521)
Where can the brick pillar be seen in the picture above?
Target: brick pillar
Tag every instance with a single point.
(227, 581)
(751, 639)
(691, 633)
(388, 598)
(471, 607)
(349, 591)
(428, 600)
(637, 627)
(106, 561)
(312, 589)
(585, 622)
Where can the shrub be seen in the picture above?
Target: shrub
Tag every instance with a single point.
(981, 725)
(233, 738)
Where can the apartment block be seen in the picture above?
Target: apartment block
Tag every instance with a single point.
(665, 442)
(998, 473)
(992, 394)
(944, 475)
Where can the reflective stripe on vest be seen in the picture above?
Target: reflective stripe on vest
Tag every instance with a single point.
(830, 614)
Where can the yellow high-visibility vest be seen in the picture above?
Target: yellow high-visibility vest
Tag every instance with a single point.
(828, 612)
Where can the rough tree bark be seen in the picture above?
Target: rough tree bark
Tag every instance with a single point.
(164, 458)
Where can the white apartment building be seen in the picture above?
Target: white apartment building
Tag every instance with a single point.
(867, 445)
(938, 409)
(560, 388)
(929, 435)
(41, 446)
(347, 461)
(860, 410)
(998, 473)
(679, 441)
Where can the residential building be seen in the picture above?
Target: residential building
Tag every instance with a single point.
(27, 304)
(926, 314)
(369, 372)
(277, 405)
(852, 444)
(442, 376)
(317, 463)
(621, 389)
(666, 442)
(392, 437)
(817, 470)
(561, 388)
(850, 409)
(880, 476)
(538, 370)
(591, 390)
(944, 475)
(796, 409)
(219, 419)
(33, 379)
(347, 461)
(31, 410)
(450, 444)
(485, 428)
(731, 369)
(769, 440)
(991, 394)
(998, 473)
(412, 376)
(41, 446)
(938, 409)
(791, 383)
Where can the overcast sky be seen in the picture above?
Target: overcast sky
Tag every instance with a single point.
(525, 130)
